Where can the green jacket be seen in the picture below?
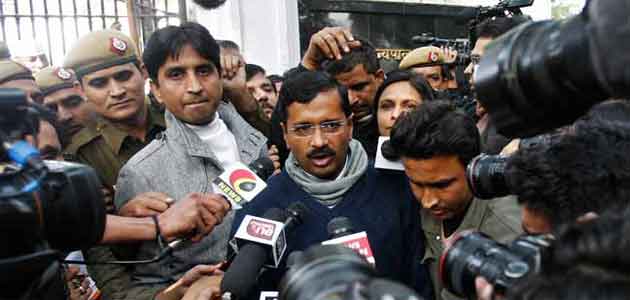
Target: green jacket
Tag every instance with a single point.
(499, 218)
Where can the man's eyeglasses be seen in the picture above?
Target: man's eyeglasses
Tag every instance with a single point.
(306, 130)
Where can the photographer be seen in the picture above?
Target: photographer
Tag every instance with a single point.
(491, 141)
(588, 261)
(436, 142)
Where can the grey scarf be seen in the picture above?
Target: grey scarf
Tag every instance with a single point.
(330, 192)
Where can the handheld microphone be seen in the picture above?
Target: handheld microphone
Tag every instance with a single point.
(259, 241)
(263, 167)
(341, 232)
(240, 184)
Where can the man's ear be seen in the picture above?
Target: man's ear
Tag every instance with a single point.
(143, 70)
(155, 90)
(380, 75)
(284, 134)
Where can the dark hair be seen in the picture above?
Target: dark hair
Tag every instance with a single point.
(252, 70)
(587, 261)
(227, 44)
(436, 128)
(574, 172)
(417, 82)
(364, 55)
(275, 78)
(304, 87)
(169, 41)
(494, 27)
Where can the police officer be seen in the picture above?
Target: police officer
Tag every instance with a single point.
(18, 76)
(62, 94)
(108, 68)
(429, 62)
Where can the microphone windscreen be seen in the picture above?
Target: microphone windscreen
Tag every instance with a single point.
(338, 227)
(263, 167)
(242, 275)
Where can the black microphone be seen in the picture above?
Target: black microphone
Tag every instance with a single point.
(338, 227)
(209, 4)
(242, 275)
(263, 167)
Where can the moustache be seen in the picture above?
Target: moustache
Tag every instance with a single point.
(318, 153)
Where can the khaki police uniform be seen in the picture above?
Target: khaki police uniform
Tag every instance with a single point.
(11, 70)
(498, 218)
(423, 57)
(106, 148)
(51, 79)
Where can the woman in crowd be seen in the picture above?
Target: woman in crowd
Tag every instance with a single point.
(401, 92)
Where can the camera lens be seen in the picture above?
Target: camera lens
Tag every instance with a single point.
(472, 254)
(324, 272)
(486, 176)
(537, 77)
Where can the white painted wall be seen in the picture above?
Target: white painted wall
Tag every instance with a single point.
(266, 30)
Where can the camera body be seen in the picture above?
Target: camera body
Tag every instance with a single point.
(472, 254)
(46, 208)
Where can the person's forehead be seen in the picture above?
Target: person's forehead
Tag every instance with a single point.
(427, 70)
(61, 94)
(188, 57)
(108, 72)
(325, 106)
(258, 80)
(432, 169)
(358, 74)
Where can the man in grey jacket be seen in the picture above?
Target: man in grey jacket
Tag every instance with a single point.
(203, 135)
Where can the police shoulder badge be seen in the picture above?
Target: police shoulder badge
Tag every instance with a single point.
(118, 46)
(63, 74)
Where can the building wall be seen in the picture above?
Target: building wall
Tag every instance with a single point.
(266, 30)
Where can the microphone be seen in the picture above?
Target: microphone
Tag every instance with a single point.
(259, 242)
(240, 183)
(263, 167)
(341, 232)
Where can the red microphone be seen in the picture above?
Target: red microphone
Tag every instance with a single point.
(341, 232)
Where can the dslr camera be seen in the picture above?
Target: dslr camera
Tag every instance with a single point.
(46, 208)
(334, 272)
(471, 254)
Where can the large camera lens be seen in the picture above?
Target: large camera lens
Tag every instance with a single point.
(72, 205)
(486, 176)
(324, 273)
(473, 254)
(537, 77)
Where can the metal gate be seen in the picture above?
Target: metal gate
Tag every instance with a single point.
(54, 25)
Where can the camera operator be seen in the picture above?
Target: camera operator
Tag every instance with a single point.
(588, 261)
(578, 173)
(436, 142)
(491, 141)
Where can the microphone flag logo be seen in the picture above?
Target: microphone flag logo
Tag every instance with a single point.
(243, 180)
(261, 229)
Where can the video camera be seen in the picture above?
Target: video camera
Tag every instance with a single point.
(471, 254)
(46, 208)
(504, 8)
(542, 75)
(336, 272)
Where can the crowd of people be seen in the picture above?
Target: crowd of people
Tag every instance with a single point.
(158, 150)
